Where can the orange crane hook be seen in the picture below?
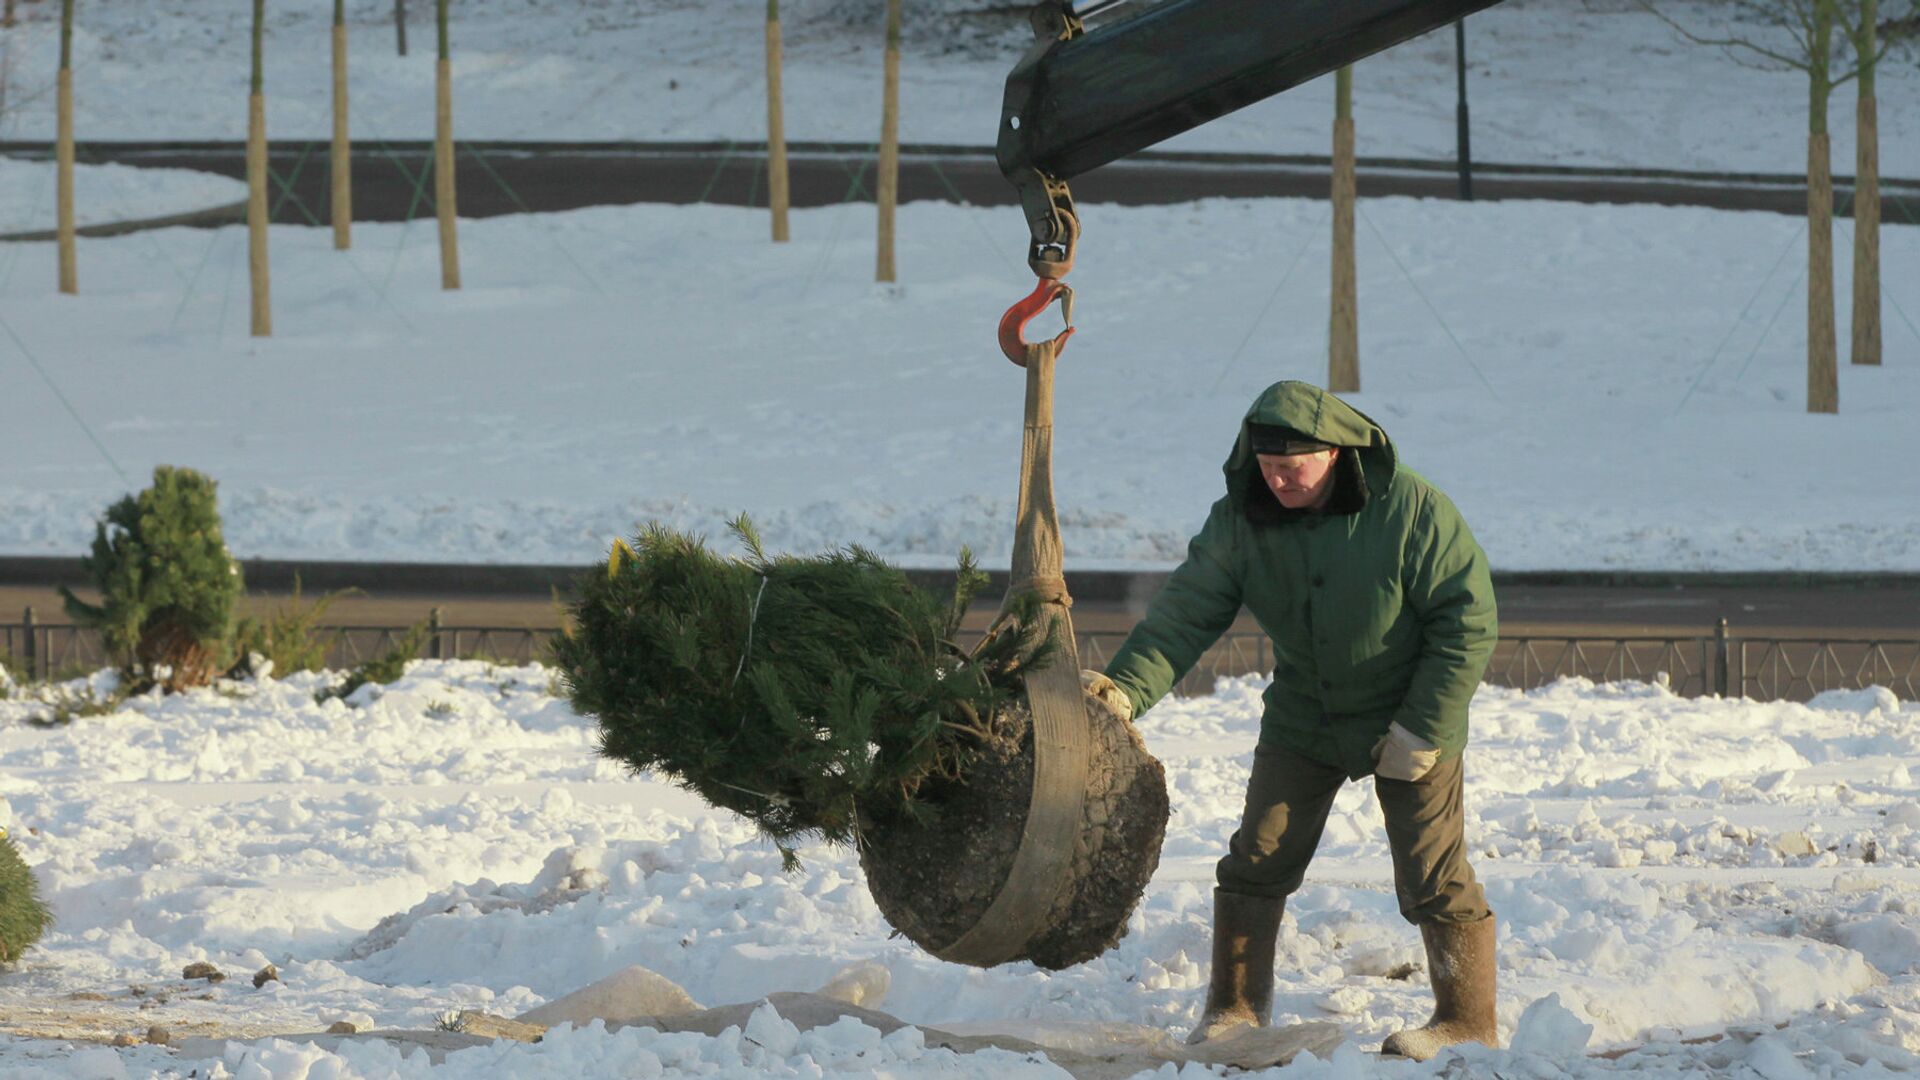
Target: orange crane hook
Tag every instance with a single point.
(1013, 324)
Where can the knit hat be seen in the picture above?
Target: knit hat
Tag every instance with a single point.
(1274, 439)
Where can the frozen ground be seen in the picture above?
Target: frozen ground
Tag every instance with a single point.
(1597, 82)
(1668, 867)
(1596, 386)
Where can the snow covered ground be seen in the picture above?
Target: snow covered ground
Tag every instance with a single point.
(1598, 82)
(1596, 386)
(1669, 868)
(107, 193)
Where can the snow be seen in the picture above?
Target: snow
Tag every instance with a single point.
(1594, 82)
(1596, 386)
(107, 193)
(1616, 387)
(452, 842)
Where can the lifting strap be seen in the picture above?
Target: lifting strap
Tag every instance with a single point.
(1062, 741)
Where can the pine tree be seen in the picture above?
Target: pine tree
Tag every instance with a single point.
(809, 695)
(167, 582)
(23, 916)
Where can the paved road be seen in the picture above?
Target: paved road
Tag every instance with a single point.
(391, 182)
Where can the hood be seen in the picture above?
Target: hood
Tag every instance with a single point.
(1313, 412)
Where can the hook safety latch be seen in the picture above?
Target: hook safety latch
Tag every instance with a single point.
(1013, 324)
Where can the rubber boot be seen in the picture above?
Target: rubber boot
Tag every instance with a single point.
(1245, 929)
(1460, 957)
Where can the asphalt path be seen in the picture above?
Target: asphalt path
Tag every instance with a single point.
(392, 181)
(1888, 608)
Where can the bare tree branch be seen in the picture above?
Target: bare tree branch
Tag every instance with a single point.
(1727, 45)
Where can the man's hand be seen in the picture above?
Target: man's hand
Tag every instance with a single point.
(1402, 755)
(1097, 685)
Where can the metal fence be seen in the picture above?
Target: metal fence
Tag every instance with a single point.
(1719, 663)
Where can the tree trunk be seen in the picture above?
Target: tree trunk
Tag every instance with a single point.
(1866, 199)
(342, 180)
(777, 194)
(1866, 238)
(1343, 331)
(262, 325)
(166, 642)
(1823, 379)
(443, 189)
(63, 156)
(889, 180)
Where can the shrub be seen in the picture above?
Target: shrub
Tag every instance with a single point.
(167, 582)
(23, 916)
(808, 695)
(288, 637)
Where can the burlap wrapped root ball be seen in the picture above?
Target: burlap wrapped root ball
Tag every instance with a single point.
(23, 916)
(829, 696)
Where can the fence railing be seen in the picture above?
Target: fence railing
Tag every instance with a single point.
(1719, 663)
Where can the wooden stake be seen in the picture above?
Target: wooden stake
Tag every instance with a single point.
(777, 193)
(63, 156)
(443, 160)
(342, 180)
(257, 186)
(1343, 329)
(889, 181)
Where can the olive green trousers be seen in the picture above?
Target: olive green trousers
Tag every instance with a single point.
(1288, 798)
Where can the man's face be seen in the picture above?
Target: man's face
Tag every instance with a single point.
(1299, 481)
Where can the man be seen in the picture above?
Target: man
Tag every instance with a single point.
(1380, 609)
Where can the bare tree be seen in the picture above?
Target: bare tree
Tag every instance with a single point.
(777, 195)
(889, 180)
(1870, 41)
(63, 156)
(1798, 35)
(342, 161)
(443, 191)
(1343, 330)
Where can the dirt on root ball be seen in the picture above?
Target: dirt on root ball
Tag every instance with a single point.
(933, 882)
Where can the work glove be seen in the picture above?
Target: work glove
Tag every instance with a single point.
(1402, 755)
(1097, 685)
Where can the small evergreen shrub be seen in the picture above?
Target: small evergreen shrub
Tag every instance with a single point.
(289, 637)
(167, 582)
(809, 695)
(23, 916)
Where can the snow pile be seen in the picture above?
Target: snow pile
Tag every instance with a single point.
(107, 193)
(452, 843)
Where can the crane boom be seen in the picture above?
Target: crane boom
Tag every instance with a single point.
(1081, 98)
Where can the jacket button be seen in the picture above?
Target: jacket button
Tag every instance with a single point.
(1326, 684)
(1319, 580)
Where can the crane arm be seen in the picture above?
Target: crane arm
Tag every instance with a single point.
(1081, 98)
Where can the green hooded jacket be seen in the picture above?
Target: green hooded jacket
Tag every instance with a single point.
(1379, 605)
